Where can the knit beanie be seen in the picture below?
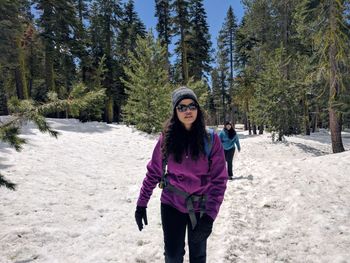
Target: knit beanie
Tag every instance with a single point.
(182, 93)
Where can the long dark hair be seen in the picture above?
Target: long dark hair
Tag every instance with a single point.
(231, 132)
(177, 140)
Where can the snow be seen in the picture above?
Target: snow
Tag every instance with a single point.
(76, 198)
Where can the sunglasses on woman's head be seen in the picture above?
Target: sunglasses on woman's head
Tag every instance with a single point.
(182, 108)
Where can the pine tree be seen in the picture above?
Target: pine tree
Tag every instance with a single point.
(217, 97)
(81, 41)
(164, 25)
(244, 44)
(13, 17)
(58, 23)
(223, 73)
(227, 36)
(181, 22)
(330, 38)
(275, 103)
(92, 110)
(199, 44)
(105, 16)
(22, 111)
(147, 86)
(3, 97)
(264, 27)
(130, 28)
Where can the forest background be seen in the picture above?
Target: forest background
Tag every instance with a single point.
(283, 67)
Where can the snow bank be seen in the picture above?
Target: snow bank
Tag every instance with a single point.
(76, 199)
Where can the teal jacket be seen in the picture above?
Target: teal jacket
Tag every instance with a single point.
(227, 142)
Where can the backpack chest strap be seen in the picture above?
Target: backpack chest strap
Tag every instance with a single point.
(189, 199)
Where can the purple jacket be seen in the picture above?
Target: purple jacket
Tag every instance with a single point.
(190, 176)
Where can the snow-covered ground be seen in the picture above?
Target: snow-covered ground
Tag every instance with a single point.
(76, 199)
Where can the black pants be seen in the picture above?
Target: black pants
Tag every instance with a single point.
(174, 228)
(229, 157)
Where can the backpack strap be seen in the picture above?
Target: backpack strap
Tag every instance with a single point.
(208, 145)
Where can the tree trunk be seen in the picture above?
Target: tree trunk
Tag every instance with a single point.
(223, 99)
(313, 123)
(306, 115)
(31, 71)
(335, 119)
(184, 65)
(233, 117)
(168, 65)
(245, 121)
(20, 78)
(19, 83)
(109, 74)
(315, 118)
(254, 128)
(335, 124)
(280, 136)
(49, 71)
(261, 129)
(82, 57)
(231, 76)
(3, 98)
(245, 114)
(109, 110)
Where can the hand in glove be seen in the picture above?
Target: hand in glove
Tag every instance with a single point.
(140, 214)
(202, 230)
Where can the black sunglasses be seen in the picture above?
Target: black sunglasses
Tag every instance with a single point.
(182, 108)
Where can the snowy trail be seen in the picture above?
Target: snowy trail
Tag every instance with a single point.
(293, 210)
(77, 196)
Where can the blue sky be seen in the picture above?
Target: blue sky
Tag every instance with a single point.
(216, 13)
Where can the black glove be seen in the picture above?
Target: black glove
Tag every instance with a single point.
(202, 230)
(140, 214)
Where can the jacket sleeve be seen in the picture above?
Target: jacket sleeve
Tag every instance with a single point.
(221, 135)
(153, 175)
(237, 143)
(218, 181)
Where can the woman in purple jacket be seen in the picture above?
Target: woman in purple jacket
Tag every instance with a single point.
(189, 164)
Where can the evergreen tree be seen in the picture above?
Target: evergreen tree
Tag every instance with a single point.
(217, 97)
(23, 111)
(58, 24)
(35, 63)
(275, 103)
(227, 36)
(3, 97)
(228, 33)
(130, 28)
(81, 41)
(147, 86)
(223, 73)
(164, 25)
(199, 44)
(13, 19)
(105, 16)
(92, 110)
(201, 89)
(330, 38)
(266, 24)
(244, 82)
(181, 22)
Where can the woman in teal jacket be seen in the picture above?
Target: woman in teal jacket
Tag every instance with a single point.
(229, 140)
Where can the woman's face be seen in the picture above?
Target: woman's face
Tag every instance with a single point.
(187, 111)
(228, 126)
